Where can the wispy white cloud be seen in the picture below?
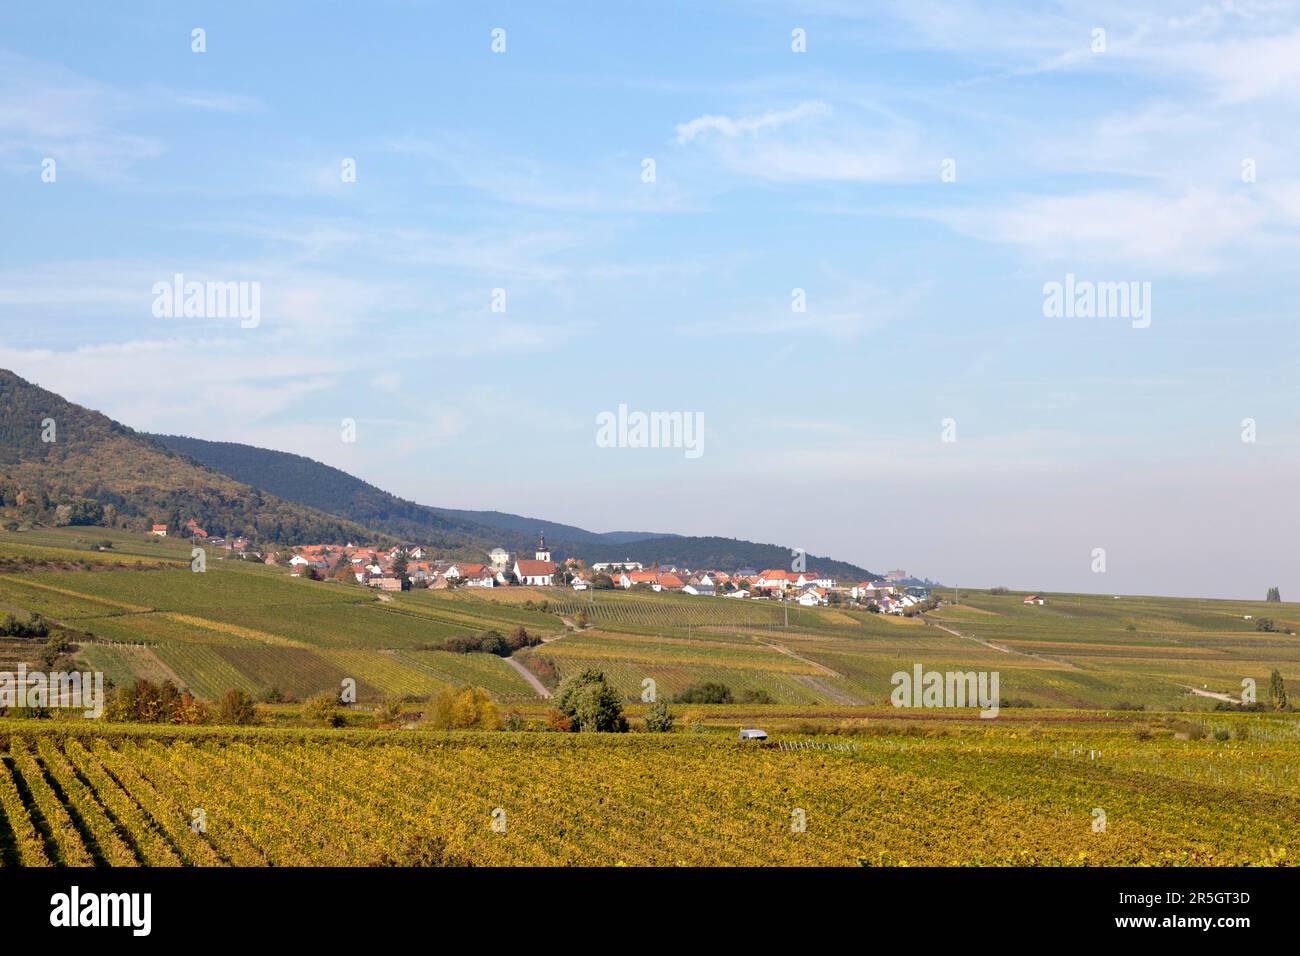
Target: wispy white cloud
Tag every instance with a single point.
(1189, 232)
(811, 142)
(612, 185)
(845, 311)
(731, 128)
(88, 126)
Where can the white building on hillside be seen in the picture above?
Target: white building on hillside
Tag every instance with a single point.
(600, 566)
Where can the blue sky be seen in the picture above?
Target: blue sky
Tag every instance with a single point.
(774, 170)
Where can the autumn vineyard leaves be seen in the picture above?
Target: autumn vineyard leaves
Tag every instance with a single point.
(893, 796)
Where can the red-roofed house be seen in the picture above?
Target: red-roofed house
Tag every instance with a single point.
(775, 578)
(464, 569)
(630, 579)
(812, 597)
(816, 578)
(159, 529)
(537, 573)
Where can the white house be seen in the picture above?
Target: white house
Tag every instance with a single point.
(812, 597)
(535, 573)
(464, 570)
(499, 558)
(775, 578)
(700, 589)
(630, 578)
(667, 581)
(817, 579)
(873, 589)
(484, 579)
(579, 583)
(298, 561)
(739, 593)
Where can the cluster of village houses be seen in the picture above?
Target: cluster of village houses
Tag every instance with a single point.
(397, 568)
(192, 530)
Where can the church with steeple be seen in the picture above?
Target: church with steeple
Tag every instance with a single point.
(541, 570)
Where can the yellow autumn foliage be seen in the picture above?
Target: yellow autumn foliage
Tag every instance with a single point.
(467, 708)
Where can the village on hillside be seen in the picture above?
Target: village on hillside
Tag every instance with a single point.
(401, 568)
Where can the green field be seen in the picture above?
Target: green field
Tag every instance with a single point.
(244, 625)
(142, 612)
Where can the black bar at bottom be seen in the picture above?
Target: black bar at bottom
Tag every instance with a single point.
(920, 906)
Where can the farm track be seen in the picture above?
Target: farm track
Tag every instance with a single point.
(529, 676)
(1199, 692)
(821, 668)
(1061, 662)
(170, 674)
(825, 689)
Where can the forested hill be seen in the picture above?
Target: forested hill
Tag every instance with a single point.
(326, 488)
(329, 489)
(61, 463)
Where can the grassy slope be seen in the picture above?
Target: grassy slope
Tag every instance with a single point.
(250, 626)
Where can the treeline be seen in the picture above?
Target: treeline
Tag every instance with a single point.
(488, 642)
(222, 513)
(713, 692)
(34, 626)
(151, 702)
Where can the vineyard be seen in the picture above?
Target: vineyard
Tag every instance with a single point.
(242, 625)
(140, 612)
(896, 795)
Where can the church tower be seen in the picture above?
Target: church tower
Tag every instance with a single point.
(543, 552)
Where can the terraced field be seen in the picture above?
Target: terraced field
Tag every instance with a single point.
(246, 626)
(1142, 649)
(252, 627)
(894, 793)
